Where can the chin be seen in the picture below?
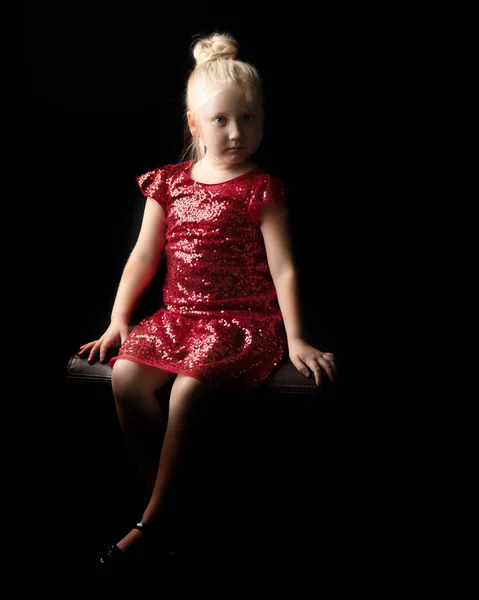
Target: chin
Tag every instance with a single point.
(237, 157)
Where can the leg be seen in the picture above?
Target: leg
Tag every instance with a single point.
(185, 399)
(141, 417)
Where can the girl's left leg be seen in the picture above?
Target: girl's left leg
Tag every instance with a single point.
(186, 398)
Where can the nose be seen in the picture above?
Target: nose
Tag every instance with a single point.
(235, 131)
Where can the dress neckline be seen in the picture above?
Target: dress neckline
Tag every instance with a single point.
(189, 164)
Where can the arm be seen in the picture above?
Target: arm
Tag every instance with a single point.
(138, 273)
(277, 239)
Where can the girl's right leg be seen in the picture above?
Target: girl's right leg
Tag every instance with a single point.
(143, 421)
(152, 434)
(141, 417)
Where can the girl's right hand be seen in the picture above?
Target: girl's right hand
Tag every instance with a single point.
(116, 332)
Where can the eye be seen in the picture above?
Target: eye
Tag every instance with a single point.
(248, 117)
(219, 120)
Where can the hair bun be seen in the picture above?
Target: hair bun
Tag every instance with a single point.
(217, 45)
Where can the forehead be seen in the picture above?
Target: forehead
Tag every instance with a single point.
(226, 98)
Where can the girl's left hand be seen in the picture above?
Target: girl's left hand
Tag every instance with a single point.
(308, 359)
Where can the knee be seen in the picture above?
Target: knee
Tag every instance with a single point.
(134, 381)
(188, 392)
(124, 382)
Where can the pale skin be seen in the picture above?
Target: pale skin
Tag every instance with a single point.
(231, 131)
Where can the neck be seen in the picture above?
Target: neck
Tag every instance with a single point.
(213, 172)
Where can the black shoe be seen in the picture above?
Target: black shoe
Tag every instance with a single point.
(113, 562)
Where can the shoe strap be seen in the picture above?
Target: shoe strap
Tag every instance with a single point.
(143, 527)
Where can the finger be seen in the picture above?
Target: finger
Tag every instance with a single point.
(331, 359)
(316, 370)
(94, 351)
(329, 367)
(105, 345)
(301, 367)
(84, 348)
(103, 349)
(329, 356)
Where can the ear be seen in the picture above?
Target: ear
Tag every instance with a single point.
(191, 123)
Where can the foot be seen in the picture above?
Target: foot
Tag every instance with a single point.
(112, 562)
(121, 557)
(133, 544)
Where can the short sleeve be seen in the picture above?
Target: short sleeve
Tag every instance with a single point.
(267, 189)
(153, 184)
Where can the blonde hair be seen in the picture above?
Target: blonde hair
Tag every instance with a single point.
(216, 61)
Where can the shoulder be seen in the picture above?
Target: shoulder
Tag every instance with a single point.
(268, 187)
(267, 190)
(163, 172)
(157, 180)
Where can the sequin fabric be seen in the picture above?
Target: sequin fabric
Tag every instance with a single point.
(220, 320)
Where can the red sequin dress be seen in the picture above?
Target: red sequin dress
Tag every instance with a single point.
(220, 321)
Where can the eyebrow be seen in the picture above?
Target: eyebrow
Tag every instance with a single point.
(242, 110)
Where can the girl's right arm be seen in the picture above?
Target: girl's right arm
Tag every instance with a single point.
(138, 273)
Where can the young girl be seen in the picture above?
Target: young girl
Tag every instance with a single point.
(231, 310)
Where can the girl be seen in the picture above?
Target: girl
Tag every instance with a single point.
(231, 310)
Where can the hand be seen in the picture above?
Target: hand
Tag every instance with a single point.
(308, 359)
(115, 332)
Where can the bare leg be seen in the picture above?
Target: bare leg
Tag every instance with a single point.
(140, 416)
(185, 400)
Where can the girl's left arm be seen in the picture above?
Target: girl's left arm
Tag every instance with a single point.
(277, 239)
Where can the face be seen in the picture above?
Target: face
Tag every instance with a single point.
(229, 126)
